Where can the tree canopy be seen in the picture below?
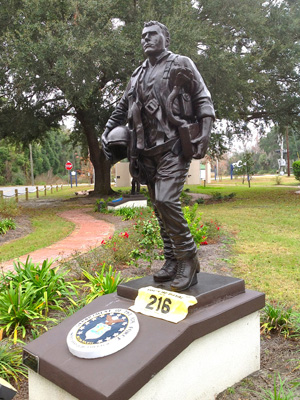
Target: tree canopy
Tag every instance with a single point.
(74, 57)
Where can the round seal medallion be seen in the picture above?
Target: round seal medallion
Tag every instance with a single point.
(103, 333)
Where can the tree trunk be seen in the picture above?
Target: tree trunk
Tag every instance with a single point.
(101, 165)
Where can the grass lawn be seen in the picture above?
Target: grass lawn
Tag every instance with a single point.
(48, 227)
(264, 221)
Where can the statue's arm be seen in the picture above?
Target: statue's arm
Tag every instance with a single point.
(203, 109)
(117, 118)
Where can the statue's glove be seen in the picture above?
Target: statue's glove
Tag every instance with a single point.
(200, 145)
(105, 147)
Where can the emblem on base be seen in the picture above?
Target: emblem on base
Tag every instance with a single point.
(103, 333)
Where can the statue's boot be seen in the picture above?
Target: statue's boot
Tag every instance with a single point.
(167, 272)
(186, 275)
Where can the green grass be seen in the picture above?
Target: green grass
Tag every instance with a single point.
(264, 220)
(266, 181)
(48, 228)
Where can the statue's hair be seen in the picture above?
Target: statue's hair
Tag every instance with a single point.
(163, 27)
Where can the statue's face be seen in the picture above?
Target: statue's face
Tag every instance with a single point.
(153, 40)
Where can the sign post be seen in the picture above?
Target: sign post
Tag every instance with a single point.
(69, 166)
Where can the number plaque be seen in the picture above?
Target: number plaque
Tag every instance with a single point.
(163, 304)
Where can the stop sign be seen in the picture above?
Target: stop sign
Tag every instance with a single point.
(69, 165)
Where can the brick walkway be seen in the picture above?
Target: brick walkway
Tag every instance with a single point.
(88, 233)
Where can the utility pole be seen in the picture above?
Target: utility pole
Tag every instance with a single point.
(287, 150)
(31, 165)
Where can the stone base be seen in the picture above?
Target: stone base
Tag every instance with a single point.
(204, 369)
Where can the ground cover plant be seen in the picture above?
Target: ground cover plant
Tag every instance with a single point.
(6, 224)
(27, 295)
(11, 367)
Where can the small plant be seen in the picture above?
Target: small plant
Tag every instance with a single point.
(19, 309)
(11, 366)
(5, 225)
(100, 206)
(101, 283)
(47, 282)
(217, 196)
(117, 249)
(278, 319)
(200, 201)
(213, 230)
(193, 219)
(185, 198)
(280, 390)
(128, 213)
(278, 180)
(229, 196)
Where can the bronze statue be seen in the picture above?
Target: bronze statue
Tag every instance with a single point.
(170, 114)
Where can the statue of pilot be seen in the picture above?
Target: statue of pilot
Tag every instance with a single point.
(169, 113)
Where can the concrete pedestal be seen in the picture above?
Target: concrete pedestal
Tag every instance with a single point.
(214, 347)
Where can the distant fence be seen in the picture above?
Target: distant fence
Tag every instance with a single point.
(37, 190)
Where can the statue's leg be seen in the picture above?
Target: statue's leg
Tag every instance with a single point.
(169, 269)
(169, 180)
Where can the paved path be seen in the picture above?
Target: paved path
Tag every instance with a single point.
(88, 233)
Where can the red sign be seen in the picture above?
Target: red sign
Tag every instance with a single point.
(69, 165)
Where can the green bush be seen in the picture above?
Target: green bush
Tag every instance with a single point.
(27, 294)
(193, 219)
(276, 318)
(11, 362)
(20, 310)
(296, 169)
(5, 225)
(48, 283)
(101, 283)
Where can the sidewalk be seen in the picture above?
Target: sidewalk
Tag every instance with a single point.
(88, 233)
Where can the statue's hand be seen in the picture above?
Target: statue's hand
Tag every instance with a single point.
(200, 145)
(104, 143)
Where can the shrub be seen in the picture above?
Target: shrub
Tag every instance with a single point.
(278, 180)
(11, 362)
(217, 196)
(185, 198)
(296, 169)
(128, 213)
(101, 283)
(193, 219)
(47, 282)
(27, 295)
(213, 230)
(20, 310)
(200, 200)
(5, 225)
(278, 319)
